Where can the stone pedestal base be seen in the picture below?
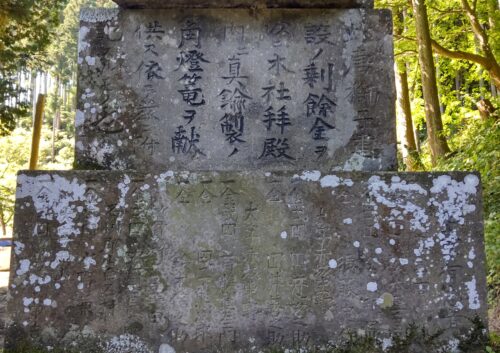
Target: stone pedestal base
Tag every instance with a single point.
(242, 260)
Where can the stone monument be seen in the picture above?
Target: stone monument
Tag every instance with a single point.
(250, 200)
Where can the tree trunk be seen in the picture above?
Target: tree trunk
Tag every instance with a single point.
(458, 85)
(482, 37)
(55, 121)
(411, 157)
(437, 142)
(65, 97)
(45, 82)
(3, 223)
(438, 79)
(33, 92)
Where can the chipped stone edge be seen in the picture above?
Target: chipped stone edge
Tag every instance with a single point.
(94, 15)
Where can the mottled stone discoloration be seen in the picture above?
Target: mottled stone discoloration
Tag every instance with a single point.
(234, 89)
(220, 259)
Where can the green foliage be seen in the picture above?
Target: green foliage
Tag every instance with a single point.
(9, 113)
(13, 156)
(26, 29)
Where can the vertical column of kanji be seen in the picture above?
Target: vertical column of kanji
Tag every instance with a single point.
(234, 96)
(190, 59)
(318, 79)
(367, 96)
(151, 71)
(275, 96)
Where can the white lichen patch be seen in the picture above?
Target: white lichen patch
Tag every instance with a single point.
(372, 286)
(451, 198)
(18, 247)
(474, 302)
(357, 163)
(313, 175)
(24, 267)
(332, 263)
(88, 261)
(123, 186)
(79, 120)
(386, 343)
(103, 152)
(82, 35)
(126, 343)
(47, 302)
(333, 181)
(27, 301)
(34, 279)
(163, 177)
(61, 256)
(453, 345)
(165, 348)
(54, 198)
(398, 196)
(90, 60)
(448, 243)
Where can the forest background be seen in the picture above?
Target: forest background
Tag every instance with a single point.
(447, 75)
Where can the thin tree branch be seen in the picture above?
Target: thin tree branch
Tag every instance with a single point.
(411, 39)
(461, 55)
(406, 53)
(446, 11)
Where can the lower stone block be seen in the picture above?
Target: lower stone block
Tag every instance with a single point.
(199, 262)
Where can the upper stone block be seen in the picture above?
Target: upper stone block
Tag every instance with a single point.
(236, 89)
(163, 4)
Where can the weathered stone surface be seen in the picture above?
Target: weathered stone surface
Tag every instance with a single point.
(243, 260)
(163, 4)
(235, 89)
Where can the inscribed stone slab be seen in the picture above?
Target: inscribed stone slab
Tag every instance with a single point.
(205, 89)
(162, 4)
(204, 260)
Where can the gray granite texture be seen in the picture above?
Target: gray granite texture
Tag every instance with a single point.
(238, 261)
(164, 4)
(236, 89)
